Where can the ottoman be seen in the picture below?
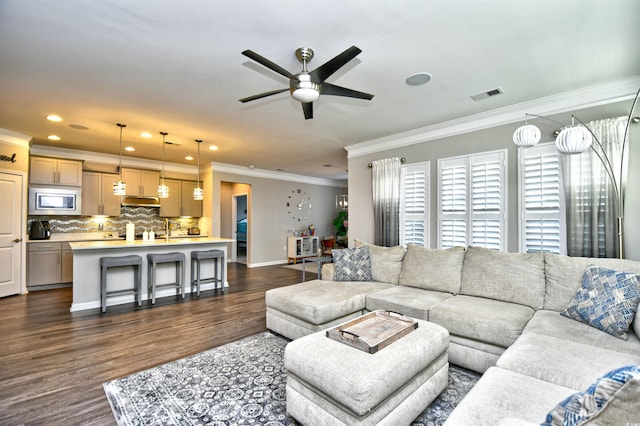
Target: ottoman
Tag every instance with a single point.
(331, 383)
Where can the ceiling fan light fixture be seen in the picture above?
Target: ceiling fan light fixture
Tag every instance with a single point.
(304, 89)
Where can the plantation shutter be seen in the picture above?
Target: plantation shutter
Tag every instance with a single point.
(472, 201)
(414, 205)
(542, 224)
(453, 201)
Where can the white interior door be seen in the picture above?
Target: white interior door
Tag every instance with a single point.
(10, 233)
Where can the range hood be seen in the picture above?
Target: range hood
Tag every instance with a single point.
(134, 201)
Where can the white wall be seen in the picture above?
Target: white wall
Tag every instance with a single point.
(269, 220)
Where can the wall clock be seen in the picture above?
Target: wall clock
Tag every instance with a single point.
(299, 205)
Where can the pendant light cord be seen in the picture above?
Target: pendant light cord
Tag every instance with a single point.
(163, 144)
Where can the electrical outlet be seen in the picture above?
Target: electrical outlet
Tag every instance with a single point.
(284, 248)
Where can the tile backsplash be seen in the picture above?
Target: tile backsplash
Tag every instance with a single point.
(143, 217)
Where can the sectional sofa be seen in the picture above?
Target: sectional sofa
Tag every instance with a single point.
(503, 313)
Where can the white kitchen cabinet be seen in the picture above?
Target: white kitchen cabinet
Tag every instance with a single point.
(97, 194)
(299, 247)
(55, 171)
(141, 183)
(180, 201)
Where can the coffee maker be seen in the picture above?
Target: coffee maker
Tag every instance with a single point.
(40, 230)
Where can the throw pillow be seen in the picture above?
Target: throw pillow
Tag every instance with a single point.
(607, 300)
(600, 400)
(352, 264)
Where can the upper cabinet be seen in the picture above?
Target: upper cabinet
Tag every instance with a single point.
(141, 183)
(97, 194)
(180, 201)
(55, 171)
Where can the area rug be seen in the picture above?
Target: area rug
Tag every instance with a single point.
(309, 268)
(241, 383)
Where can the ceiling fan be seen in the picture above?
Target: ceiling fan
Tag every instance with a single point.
(307, 86)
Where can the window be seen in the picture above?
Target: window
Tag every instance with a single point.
(414, 204)
(541, 204)
(472, 200)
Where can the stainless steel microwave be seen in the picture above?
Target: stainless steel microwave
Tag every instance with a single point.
(45, 200)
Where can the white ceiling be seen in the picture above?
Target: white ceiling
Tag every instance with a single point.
(176, 66)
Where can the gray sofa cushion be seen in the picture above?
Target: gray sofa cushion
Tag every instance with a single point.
(510, 277)
(438, 270)
(551, 323)
(386, 262)
(318, 302)
(501, 394)
(486, 320)
(563, 362)
(564, 276)
(409, 301)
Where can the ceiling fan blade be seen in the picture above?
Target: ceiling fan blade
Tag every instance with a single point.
(307, 108)
(267, 63)
(332, 89)
(325, 70)
(262, 95)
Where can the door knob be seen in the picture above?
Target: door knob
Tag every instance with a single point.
(17, 240)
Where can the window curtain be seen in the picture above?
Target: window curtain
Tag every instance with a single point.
(386, 201)
(591, 206)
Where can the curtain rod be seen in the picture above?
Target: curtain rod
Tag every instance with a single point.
(402, 161)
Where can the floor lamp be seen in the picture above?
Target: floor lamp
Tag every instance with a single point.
(575, 139)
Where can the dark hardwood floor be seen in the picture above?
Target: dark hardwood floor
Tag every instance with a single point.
(53, 362)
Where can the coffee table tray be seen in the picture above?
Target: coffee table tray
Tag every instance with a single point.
(373, 331)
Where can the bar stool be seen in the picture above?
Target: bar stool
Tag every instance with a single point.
(120, 261)
(153, 260)
(196, 279)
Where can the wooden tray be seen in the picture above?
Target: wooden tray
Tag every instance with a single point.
(373, 331)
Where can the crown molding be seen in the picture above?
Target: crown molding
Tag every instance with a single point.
(592, 96)
(96, 157)
(13, 138)
(269, 174)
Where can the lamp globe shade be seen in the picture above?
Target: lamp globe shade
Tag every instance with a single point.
(526, 136)
(574, 140)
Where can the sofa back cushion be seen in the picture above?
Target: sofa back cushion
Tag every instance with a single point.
(510, 277)
(432, 269)
(386, 262)
(564, 275)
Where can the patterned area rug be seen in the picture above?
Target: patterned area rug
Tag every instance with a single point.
(241, 383)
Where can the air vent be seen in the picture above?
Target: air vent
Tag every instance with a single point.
(487, 94)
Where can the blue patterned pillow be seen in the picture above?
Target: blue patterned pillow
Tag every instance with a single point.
(581, 407)
(607, 300)
(352, 264)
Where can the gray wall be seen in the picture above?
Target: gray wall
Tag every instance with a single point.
(360, 199)
(269, 221)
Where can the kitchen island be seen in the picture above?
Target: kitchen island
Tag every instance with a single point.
(86, 267)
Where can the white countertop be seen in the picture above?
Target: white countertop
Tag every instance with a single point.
(115, 244)
(98, 236)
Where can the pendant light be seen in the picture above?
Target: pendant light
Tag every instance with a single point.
(119, 186)
(198, 193)
(163, 190)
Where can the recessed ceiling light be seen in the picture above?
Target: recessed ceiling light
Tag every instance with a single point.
(188, 157)
(418, 78)
(129, 148)
(213, 147)
(78, 126)
(53, 138)
(145, 134)
(54, 117)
